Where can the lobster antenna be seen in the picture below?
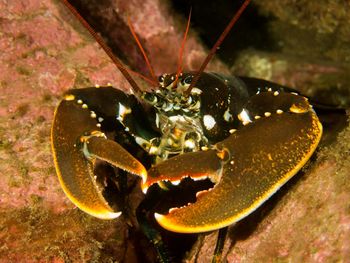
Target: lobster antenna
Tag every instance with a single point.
(136, 89)
(150, 68)
(216, 45)
(180, 59)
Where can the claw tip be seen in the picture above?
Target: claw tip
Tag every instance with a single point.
(158, 217)
(144, 188)
(144, 175)
(107, 215)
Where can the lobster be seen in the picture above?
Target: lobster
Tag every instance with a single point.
(246, 136)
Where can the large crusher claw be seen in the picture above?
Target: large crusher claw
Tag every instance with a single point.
(251, 165)
(77, 141)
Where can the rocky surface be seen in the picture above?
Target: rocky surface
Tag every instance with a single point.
(45, 52)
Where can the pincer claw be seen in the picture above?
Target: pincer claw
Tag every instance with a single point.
(262, 156)
(77, 141)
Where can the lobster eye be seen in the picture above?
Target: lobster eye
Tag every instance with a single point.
(188, 79)
(161, 79)
(151, 98)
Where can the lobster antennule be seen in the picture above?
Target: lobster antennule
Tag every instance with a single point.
(149, 65)
(180, 58)
(216, 45)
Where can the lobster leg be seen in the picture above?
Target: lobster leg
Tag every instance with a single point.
(250, 165)
(219, 245)
(78, 141)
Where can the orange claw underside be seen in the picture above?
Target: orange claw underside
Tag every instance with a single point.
(264, 155)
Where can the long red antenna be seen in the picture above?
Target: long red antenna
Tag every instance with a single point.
(216, 45)
(179, 63)
(142, 51)
(107, 49)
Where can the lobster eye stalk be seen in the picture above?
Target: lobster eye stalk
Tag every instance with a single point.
(216, 46)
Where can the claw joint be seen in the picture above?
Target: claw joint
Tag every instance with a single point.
(85, 141)
(223, 153)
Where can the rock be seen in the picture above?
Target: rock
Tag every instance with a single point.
(45, 52)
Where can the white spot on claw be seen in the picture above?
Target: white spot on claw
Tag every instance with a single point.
(244, 117)
(267, 114)
(92, 114)
(209, 122)
(122, 112)
(227, 115)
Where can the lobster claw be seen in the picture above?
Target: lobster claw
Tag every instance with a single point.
(251, 165)
(77, 142)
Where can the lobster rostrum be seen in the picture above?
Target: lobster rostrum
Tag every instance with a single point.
(248, 136)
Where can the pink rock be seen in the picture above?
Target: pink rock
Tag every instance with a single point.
(44, 52)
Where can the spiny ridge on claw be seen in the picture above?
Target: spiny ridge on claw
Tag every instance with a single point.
(196, 165)
(110, 151)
